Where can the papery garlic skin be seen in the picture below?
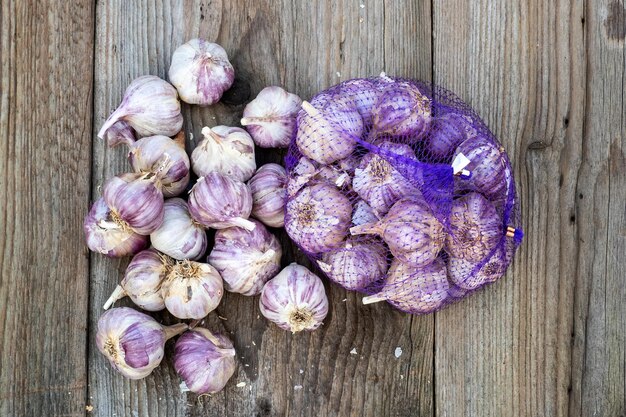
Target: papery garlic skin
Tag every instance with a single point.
(205, 361)
(269, 193)
(120, 133)
(410, 229)
(137, 200)
(294, 299)
(163, 157)
(142, 280)
(246, 259)
(271, 117)
(378, 183)
(475, 228)
(133, 342)
(363, 214)
(192, 290)
(328, 133)
(318, 217)
(487, 167)
(107, 234)
(150, 106)
(201, 72)
(227, 150)
(218, 201)
(179, 236)
(355, 265)
(307, 171)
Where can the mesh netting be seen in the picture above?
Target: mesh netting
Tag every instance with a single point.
(398, 189)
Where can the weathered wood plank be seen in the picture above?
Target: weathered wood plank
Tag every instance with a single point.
(46, 51)
(304, 46)
(521, 65)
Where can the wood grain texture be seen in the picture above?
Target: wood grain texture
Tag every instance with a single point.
(46, 51)
(305, 47)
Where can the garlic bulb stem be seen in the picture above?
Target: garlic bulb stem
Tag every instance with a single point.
(371, 299)
(113, 118)
(174, 330)
(243, 223)
(308, 107)
(118, 293)
(365, 229)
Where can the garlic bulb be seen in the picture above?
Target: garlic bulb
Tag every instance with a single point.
(447, 132)
(328, 134)
(487, 167)
(378, 183)
(246, 259)
(179, 236)
(218, 202)
(475, 228)
(133, 342)
(205, 361)
(401, 110)
(355, 265)
(163, 157)
(109, 235)
(137, 200)
(271, 117)
(471, 275)
(201, 72)
(363, 214)
(120, 133)
(227, 150)
(269, 191)
(362, 93)
(411, 231)
(415, 290)
(142, 281)
(192, 290)
(295, 299)
(318, 217)
(150, 106)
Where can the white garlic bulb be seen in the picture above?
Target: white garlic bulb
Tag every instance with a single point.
(201, 72)
(271, 117)
(269, 191)
(227, 150)
(179, 236)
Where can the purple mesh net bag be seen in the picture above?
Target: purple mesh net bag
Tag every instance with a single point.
(397, 189)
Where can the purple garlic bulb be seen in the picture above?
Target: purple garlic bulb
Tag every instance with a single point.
(295, 299)
(109, 235)
(205, 361)
(201, 72)
(363, 214)
(471, 275)
(362, 94)
(246, 259)
(415, 290)
(488, 168)
(411, 231)
(142, 281)
(271, 117)
(269, 193)
(192, 290)
(227, 150)
(179, 236)
(475, 228)
(165, 158)
(355, 264)
(150, 106)
(120, 133)
(401, 110)
(378, 183)
(328, 134)
(318, 217)
(447, 132)
(137, 200)
(218, 201)
(133, 342)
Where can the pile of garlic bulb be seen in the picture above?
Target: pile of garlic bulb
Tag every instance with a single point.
(398, 190)
(160, 214)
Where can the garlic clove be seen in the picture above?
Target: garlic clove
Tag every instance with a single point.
(294, 299)
(179, 236)
(246, 259)
(201, 72)
(218, 201)
(271, 117)
(133, 342)
(269, 192)
(192, 290)
(205, 361)
(227, 150)
(120, 133)
(106, 233)
(150, 106)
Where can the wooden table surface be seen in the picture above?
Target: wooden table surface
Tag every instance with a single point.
(546, 76)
